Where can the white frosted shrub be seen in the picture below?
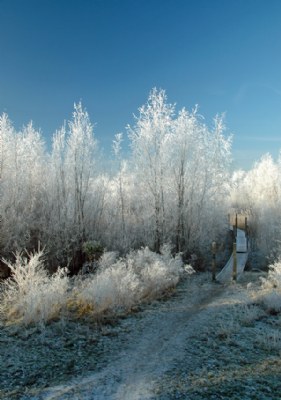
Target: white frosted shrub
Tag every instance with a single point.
(110, 289)
(140, 259)
(54, 295)
(120, 284)
(161, 273)
(155, 279)
(30, 295)
(272, 300)
(247, 314)
(107, 259)
(270, 339)
(271, 285)
(166, 250)
(274, 274)
(157, 272)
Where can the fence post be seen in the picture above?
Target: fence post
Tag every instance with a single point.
(236, 224)
(234, 271)
(214, 249)
(246, 232)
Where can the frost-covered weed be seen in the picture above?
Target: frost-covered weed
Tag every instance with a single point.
(270, 339)
(156, 272)
(249, 313)
(30, 295)
(107, 259)
(271, 288)
(108, 290)
(120, 284)
(274, 276)
(227, 326)
(271, 299)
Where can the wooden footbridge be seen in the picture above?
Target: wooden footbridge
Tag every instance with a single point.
(236, 263)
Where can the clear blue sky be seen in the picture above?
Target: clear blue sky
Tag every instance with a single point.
(224, 55)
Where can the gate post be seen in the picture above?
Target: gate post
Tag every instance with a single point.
(214, 249)
(234, 271)
(246, 232)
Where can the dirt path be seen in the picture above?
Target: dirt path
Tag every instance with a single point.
(206, 341)
(157, 340)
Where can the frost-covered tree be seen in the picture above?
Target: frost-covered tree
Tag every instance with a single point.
(121, 169)
(171, 188)
(7, 143)
(182, 163)
(80, 161)
(149, 139)
(22, 185)
(258, 194)
(200, 160)
(214, 171)
(60, 226)
(182, 169)
(73, 159)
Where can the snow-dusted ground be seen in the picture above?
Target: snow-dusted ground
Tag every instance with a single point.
(152, 347)
(194, 345)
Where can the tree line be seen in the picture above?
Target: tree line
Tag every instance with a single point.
(173, 186)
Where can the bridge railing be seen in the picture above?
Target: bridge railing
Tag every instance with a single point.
(237, 261)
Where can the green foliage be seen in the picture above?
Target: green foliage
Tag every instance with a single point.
(92, 249)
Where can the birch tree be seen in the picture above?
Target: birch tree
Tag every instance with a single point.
(149, 138)
(80, 161)
(117, 146)
(22, 185)
(182, 151)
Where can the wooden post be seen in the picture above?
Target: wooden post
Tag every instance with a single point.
(214, 249)
(236, 224)
(234, 271)
(246, 232)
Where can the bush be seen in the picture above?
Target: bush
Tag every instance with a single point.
(274, 275)
(31, 295)
(271, 285)
(92, 249)
(109, 290)
(157, 272)
(121, 284)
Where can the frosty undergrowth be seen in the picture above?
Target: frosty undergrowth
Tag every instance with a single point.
(271, 285)
(122, 283)
(32, 296)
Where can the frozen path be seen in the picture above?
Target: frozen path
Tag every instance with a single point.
(156, 341)
(241, 256)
